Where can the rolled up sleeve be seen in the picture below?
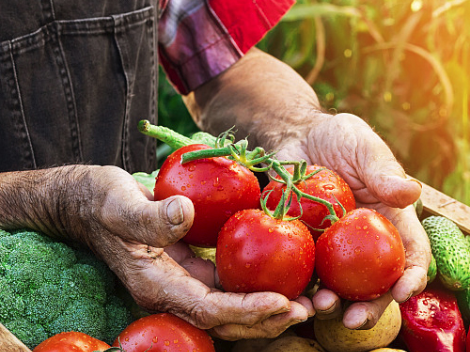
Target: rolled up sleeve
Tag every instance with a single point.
(200, 39)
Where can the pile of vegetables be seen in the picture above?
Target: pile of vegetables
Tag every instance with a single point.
(301, 229)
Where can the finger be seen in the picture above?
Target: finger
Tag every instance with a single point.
(267, 328)
(179, 251)
(380, 176)
(327, 304)
(145, 191)
(307, 303)
(158, 224)
(364, 315)
(412, 282)
(200, 269)
(417, 254)
(158, 283)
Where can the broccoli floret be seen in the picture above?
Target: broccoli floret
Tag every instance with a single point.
(47, 287)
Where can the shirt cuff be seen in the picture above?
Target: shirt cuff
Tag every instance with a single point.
(200, 39)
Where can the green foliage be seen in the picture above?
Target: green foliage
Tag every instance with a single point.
(47, 287)
(403, 66)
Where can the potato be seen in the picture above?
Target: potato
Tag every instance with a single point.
(251, 345)
(256, 345)
(293, 344)
(334, 337)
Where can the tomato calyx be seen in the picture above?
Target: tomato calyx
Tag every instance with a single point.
(225, 147)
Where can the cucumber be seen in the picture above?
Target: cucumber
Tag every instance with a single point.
(463, 300)
(432, 270)
(451, 251)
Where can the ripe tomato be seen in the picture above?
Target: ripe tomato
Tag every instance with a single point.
(360, 256)
(326, 185)
(218, 187)
(256, 252)
(163, 332)
(71, 341)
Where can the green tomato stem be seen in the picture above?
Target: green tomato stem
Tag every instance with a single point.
(174, 139)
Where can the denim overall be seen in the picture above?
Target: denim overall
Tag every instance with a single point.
(76, 76)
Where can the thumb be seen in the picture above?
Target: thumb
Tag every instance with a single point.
(155, 223)
(384, 177)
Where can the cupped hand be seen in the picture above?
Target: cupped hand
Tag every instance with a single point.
(138, 239)
(346, 144)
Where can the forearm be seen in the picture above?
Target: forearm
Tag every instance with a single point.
(40, 200)
(257, 95)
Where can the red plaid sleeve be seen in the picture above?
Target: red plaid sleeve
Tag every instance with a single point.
(198, 39)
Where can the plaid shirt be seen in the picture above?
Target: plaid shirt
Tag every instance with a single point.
(198, 39)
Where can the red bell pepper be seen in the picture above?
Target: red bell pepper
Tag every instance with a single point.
(431, 321)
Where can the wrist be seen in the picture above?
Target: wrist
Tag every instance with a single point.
(44, 200)
(259, 95)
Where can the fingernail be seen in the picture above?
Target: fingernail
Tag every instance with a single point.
(174, 211)
(329, 310)
(414, 180)
(406, 299)
(362, 325)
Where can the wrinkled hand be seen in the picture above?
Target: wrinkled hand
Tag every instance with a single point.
(346, 144)
(275, 107)
(111, 212)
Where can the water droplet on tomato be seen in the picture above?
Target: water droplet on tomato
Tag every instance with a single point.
(167, 343)
(183, 188)
(328, 187)
(247, 265)
(155, 339)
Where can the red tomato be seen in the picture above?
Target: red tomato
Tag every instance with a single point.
(325, 184)
(71, 341)
(163, 332)
(218, 187)
(256, 252)
(360, 256)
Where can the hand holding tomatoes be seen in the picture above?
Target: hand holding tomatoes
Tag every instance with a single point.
(346, 144)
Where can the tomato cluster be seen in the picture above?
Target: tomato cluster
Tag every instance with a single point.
(357, 253)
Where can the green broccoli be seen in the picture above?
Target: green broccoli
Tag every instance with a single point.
(47, 287)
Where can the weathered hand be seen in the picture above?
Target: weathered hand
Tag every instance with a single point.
(269, 102)
(346, 144)
(107, 209)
